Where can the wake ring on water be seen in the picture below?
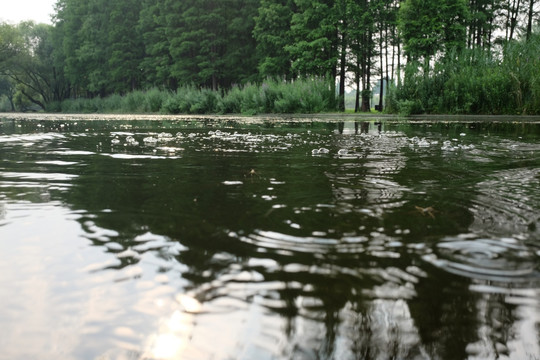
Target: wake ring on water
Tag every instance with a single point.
(504, 259)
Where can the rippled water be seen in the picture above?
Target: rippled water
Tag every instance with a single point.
(269, 240)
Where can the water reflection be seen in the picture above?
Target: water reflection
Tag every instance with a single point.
(215, 241)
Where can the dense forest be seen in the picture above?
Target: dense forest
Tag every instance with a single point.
(433, 56)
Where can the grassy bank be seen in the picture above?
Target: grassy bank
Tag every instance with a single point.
(301, 96)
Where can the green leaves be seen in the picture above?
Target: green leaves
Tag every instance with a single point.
(429, 27)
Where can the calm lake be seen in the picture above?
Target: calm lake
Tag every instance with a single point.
(224, 239)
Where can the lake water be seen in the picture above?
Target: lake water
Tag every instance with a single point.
(224, 239)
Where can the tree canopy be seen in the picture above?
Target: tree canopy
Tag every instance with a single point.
(99, 47)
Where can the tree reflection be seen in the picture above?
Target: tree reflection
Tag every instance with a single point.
(329, 249)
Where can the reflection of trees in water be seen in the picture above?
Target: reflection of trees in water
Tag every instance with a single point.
(327, 310)
(350, 300)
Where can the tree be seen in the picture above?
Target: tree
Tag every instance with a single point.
(482, 22)
(530, 16)
(28, 59)
(362, 47)
(431, 27)
(272, 35)
(211, 43)
(314, 47)
(125, 45)
(7, 89)
(102, 49)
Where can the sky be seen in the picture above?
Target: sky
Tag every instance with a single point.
(15, 11)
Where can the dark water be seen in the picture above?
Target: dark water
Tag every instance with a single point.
(216, 240)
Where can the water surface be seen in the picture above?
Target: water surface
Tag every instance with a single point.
(269, 240)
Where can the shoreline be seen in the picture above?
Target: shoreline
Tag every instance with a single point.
(321, 117)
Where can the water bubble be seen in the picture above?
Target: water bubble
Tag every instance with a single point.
(130, 141)
(164, 136)
(423, 143)
(149, 140)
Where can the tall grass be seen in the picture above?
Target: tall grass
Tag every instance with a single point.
(474, 82)
(300, 96)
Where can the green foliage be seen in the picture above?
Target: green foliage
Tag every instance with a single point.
(475, 82)
(271, 31)
(5, 104)
(190, 100)
(154, 100)
(431, 26)
(313, 49)
(300, 96)
(458, 59)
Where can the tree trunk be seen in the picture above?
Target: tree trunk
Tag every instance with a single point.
(357, 97)
(342, 69)
(382, 69)
(214, 82)
(513, 20)
(386, 49)
(530, 19)
(398, 61)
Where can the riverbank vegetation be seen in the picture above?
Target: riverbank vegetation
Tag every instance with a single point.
(252, 56)
(301, 96)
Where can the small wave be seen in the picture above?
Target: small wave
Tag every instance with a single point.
(72, 152)
(503, 259)
(39, 176)
(276, 240)
(232, 182)
(134, 156)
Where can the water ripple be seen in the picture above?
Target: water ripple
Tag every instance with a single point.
(503, 259)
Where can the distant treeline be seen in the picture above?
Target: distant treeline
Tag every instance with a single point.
(452, 56)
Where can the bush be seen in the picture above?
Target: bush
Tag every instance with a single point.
(231, 102)
(475, 82)
(154, 100)
(306, 96)
(409, 107)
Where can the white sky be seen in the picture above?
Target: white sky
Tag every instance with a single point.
(15, 11)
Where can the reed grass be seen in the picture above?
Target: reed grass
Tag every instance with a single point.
(474, 82)
(271, 96)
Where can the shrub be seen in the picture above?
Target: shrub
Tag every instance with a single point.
(475, 82)
(231, 102)
(154, 100)
(309, 95)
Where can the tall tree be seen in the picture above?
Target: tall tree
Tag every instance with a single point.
(314, 49)
(530, 14)
(481, 24)
(272, 34)
(157, 60)
(341, 14)
(429, 27)
(211, 42)
(125, 45)
(362, 48)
